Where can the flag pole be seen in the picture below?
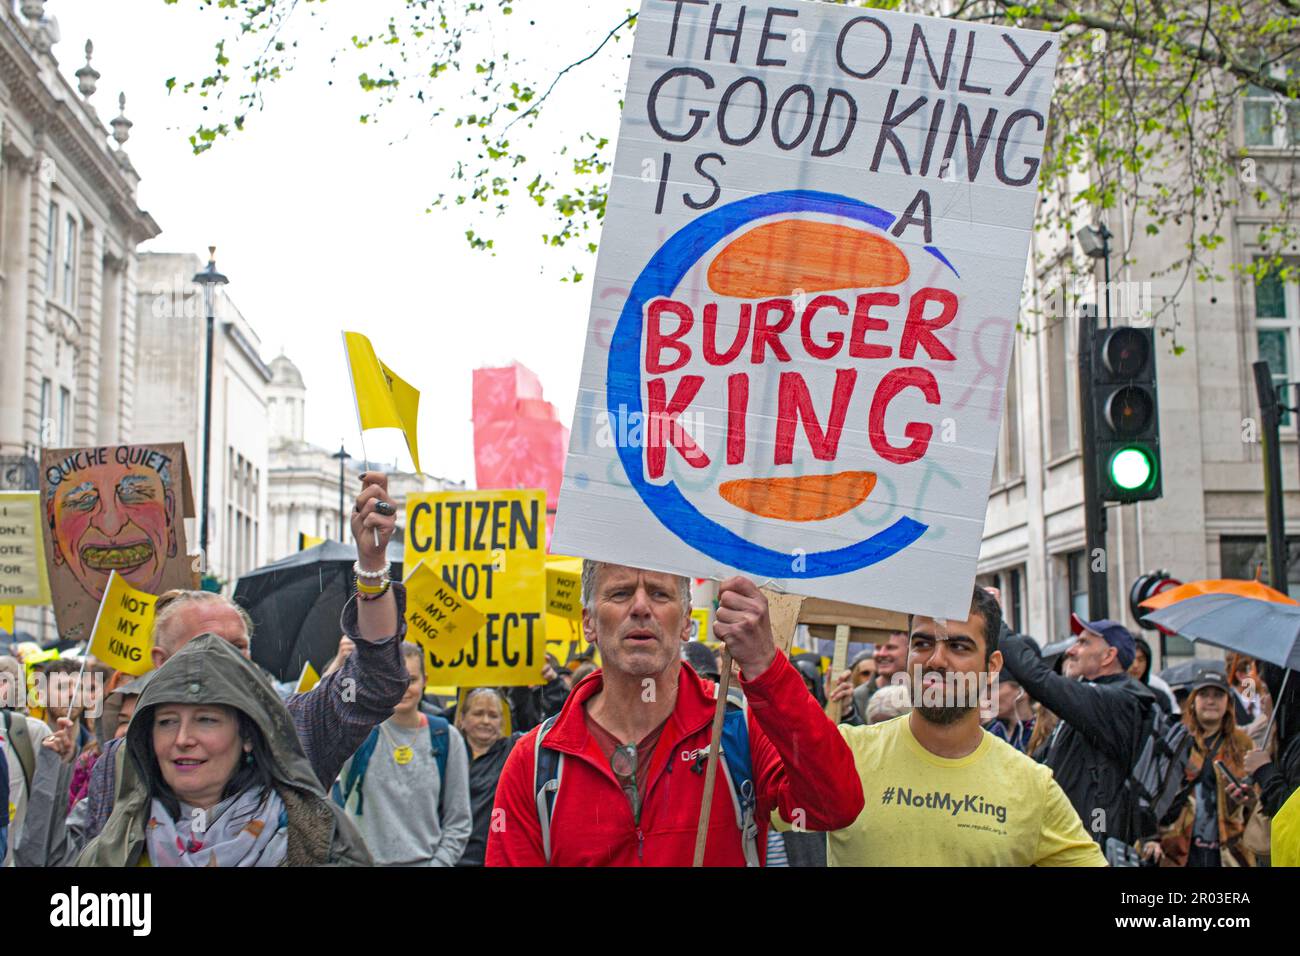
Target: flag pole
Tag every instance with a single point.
(356, 403)
(711, 768)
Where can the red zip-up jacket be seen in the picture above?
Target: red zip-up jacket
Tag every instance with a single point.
(800, 763)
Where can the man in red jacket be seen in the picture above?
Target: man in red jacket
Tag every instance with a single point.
(632, 736)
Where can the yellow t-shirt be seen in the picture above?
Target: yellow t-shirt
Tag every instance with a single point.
(1285, 839)
(993, 807)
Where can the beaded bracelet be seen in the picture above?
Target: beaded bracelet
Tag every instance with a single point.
(371, 575)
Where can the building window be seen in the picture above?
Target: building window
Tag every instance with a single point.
(45, 424)
(51, 243)
(70, 264)
(1270, 120)
(1077, 573)
(1061, 435)
(1277, 330)
(65, 417)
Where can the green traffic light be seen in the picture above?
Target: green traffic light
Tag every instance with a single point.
(1131, 469)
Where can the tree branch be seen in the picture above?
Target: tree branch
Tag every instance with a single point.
(536, 106)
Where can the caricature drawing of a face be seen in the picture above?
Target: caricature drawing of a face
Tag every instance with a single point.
(113, 517)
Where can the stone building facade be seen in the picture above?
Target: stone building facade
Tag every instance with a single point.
(70, 226)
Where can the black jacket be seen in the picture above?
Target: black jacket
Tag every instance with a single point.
(484, 772)
(1098, 741)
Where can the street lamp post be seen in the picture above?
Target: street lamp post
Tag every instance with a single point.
(209, 278)
(1095, 242)
(342, 456)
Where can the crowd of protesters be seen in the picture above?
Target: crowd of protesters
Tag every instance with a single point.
(204, 762)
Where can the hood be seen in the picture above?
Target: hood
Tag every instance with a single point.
(208, 670)
(113, 704)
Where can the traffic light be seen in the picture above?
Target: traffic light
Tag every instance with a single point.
(1124, 415)
(1148, 586)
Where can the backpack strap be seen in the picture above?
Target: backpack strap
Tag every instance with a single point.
(16, 727)
(439, 743)
(737, 768)
(356, 774)
(548, 767)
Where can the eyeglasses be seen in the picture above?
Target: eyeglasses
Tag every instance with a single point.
(623, 762)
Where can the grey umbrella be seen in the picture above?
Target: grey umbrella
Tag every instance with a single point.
(1261, 629)
(1265, 630)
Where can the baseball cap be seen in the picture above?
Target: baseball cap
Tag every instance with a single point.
(1112, 632)
(1209, 678)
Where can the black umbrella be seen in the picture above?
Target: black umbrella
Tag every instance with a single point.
(295, 605)
(1180, 675)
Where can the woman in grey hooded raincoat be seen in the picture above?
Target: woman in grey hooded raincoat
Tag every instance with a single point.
(221, 779)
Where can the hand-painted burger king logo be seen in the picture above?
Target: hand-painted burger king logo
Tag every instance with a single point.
(814, 285)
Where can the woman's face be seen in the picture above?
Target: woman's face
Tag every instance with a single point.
(124, 716)
(483, 720)
(1211, 704)
(198, 749)
(1139, 665)
(414, 690)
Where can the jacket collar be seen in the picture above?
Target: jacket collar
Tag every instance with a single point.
(692, 713)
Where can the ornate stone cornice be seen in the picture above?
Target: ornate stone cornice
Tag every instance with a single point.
(64, 130)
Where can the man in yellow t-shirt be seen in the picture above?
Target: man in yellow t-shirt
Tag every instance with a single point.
(1285, 840)
(941, 790)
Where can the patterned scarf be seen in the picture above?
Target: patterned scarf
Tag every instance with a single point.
(245, 830)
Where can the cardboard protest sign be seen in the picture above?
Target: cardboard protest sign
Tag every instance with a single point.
(700, 624)
(113, 508)
(489, 546)
(123, 631)
(438, 618)
(564, 587)
(23, 579)
(806, 297)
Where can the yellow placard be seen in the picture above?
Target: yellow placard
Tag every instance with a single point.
(307, 679)
(383, 399)
(438, 618)
(23, 576)
(564, 587)
(7, 618)
(489, 546)
(123, 630)
(564, 637)
(306, 541)
(700, 620)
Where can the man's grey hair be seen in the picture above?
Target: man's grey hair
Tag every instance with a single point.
(590, 569)
(168, 609)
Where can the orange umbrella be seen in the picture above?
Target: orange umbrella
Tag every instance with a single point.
(1251, 589)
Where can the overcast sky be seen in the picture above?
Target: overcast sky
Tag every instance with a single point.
(319, 221)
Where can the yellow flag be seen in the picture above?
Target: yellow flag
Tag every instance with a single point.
(438, 617)
(564, 587)
(123, 629)
(383, 399)
(306, 541)
(307, 679)
(7, 618)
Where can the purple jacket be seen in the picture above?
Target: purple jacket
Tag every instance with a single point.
(332, 719)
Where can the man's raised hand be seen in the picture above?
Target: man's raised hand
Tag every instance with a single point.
(742, 623)
(371, 526)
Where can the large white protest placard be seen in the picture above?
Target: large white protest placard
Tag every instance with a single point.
(806, 297)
